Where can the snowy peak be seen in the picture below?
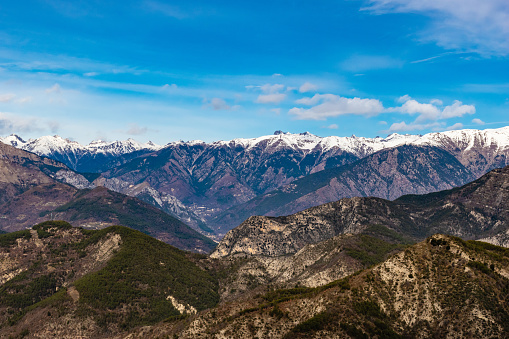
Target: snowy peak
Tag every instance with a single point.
(361, 146)
(487, 143)
(13, 140)
(120, 147)
(47, 145)
(95, 157)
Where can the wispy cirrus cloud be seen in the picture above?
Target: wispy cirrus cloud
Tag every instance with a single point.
(7, 97)
(54, 89)
(363, 63)
(176, 12)
(480, 26)
(273, 98)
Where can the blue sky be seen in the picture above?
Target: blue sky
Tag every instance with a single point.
(217, 70)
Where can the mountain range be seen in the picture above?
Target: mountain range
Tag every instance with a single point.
(356, 267)
(199, 182)
(477, 210)
(35, 189)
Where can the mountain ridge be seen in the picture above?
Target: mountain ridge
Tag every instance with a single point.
(474, 211)
(198, 181)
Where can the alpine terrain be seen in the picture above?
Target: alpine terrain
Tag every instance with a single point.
(198, 181)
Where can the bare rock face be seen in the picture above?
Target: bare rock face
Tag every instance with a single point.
(166, 202)
(20, 170)
(273, 236)
(441, 287)
(386, 174)
(476, 210)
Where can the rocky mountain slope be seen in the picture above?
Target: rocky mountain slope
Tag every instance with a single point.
(312, 266)
(20, 170)
(474, 211)
(60, 281)
(443, 287)
(97, 209)
(385, 174)
(34, 189)
(209, 178)
(68, 282)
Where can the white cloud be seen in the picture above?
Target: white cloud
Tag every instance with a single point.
(404, 127)
(7, 97)
(457, 125)
(457, 109)
(271, 93)
(308, 87)
(274, 98)
(478, 121)
(24, 100)
(53, 89)
(404, 98)
(135, 129)
(433, 110)
(315, 99)
(426, 111)
(218, 104)
(54, 126)
(480, 26)
(333, 105)
(170, 87)
(91, 74)
(10, 123)
(271, 89)
(331, 126)
(276, 110)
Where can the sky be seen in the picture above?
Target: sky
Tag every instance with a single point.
(218, 70)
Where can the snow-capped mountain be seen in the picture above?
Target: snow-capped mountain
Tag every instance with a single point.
(209, 178)
(82, 157)
(95, 157)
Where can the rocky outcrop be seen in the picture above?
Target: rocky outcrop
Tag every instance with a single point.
(474, 211)
(441, 287)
